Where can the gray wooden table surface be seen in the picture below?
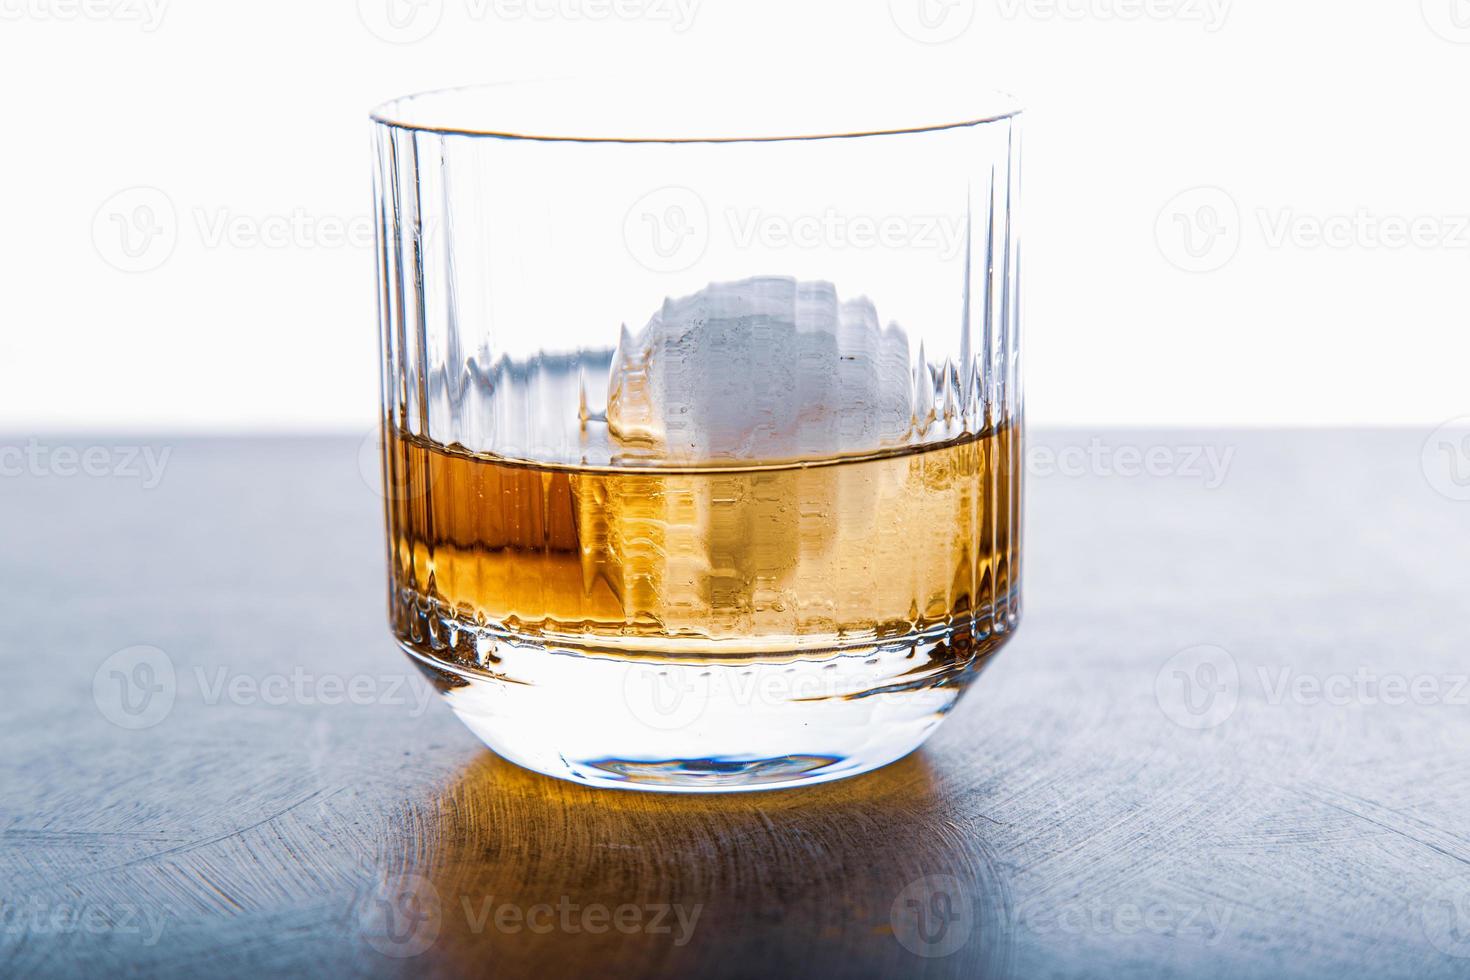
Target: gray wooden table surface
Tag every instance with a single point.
(1229, 740)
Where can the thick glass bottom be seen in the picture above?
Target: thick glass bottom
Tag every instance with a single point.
(627, 720)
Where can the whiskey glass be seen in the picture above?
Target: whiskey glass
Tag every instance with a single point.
(702, 424)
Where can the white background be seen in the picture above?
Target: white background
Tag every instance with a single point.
(1343, 115)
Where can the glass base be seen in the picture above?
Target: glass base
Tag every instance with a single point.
(629, 722)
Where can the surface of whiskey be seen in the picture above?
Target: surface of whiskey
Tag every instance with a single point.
(720, 561)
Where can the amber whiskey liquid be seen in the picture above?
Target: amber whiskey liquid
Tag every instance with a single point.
(720, 562)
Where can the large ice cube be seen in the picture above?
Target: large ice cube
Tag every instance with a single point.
(762, 369)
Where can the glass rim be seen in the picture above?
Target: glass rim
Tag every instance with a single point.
(435, 111)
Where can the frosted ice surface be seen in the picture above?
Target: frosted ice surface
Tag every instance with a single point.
(764, 368)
